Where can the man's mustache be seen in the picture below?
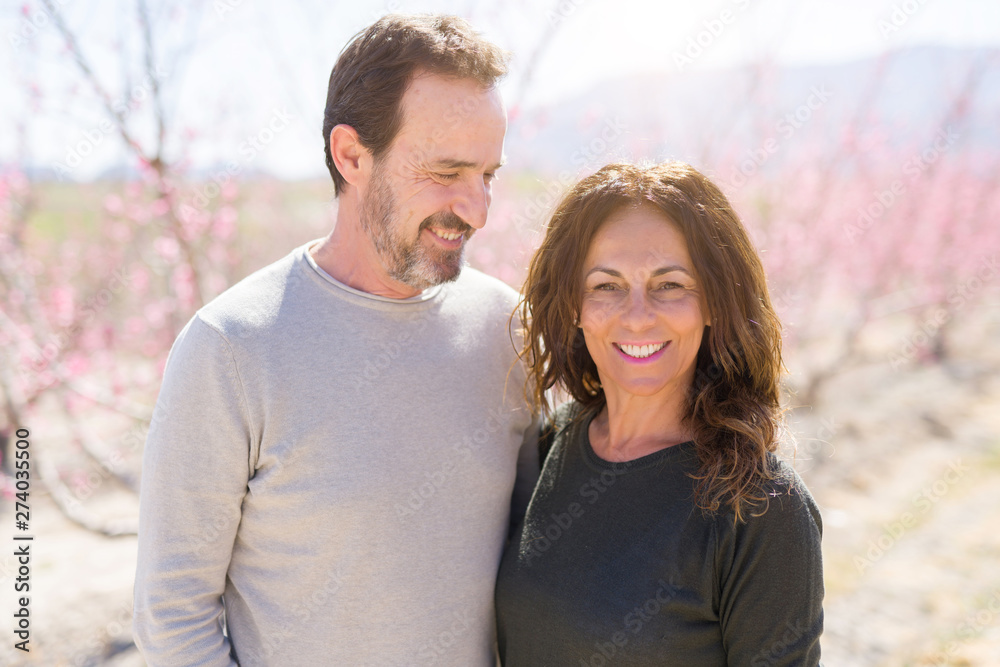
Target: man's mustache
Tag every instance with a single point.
(448, 221)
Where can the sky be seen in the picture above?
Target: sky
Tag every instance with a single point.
(231, 70)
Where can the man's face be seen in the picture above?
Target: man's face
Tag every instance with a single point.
(431, 190)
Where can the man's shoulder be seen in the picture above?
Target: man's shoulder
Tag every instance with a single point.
(255, 301)
(487, 305)
(485, 290)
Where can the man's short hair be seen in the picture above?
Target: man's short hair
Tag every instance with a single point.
(373, 71)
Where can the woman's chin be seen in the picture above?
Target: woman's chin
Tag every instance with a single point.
(641, 389)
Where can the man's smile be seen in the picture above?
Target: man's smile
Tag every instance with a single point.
(448, 238)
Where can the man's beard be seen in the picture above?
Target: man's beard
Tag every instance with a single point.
(408, 261)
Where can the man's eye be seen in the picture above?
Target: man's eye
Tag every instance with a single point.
(447, 177)
(489, 177)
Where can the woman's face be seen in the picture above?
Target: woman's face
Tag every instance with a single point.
(642, 311)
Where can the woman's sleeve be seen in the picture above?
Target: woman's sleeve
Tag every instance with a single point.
(771, 580)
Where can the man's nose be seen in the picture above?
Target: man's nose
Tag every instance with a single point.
(473, 203)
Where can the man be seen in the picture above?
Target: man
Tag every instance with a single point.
(334, 448)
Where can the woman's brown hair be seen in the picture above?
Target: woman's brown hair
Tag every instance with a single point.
(733, 407)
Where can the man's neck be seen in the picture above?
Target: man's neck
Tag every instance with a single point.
(348, 256)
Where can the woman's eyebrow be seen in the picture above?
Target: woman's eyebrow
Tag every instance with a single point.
(658, 272)
(601, 269)
(671, 269)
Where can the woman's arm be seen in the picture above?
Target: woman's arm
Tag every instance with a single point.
(771, 579)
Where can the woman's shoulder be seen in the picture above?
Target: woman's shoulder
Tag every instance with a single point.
(786, 500)
(557, 425)
(564, 415)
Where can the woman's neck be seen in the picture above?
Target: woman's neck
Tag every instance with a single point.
(630, 427)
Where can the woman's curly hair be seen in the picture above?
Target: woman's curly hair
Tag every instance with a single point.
(733, 406)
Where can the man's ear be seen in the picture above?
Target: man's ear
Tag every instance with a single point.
(349, 155)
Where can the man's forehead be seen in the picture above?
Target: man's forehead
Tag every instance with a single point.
(445, 90)
(449, 101)
(451, 123)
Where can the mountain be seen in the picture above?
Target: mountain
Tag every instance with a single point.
(905, 96)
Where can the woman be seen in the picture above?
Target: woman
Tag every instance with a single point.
(663, 530)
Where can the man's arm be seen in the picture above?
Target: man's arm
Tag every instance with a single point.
(195, 470)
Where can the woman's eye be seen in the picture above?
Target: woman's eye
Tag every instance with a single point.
(669, 286)
(605, 287)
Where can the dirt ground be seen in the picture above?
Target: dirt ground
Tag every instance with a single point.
(905, 466)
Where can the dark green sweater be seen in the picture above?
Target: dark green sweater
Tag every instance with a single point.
(614, 565)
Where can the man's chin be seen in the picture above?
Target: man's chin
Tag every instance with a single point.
(429, 273)
(444, 265)
(443, 273)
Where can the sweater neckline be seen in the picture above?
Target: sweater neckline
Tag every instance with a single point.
(429, 294)
(650, 460)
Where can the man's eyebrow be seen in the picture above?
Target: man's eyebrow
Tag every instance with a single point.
(658, 272)
(451, 163)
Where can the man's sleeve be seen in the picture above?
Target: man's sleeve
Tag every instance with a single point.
(195, 470)
(771, 589)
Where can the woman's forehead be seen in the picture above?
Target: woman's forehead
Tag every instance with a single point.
(639, 234)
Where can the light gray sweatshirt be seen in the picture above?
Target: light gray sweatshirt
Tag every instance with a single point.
(335, 471)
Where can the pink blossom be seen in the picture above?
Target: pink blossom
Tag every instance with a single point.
(182, 282)
(230, 191)
(113, 204)
(167, 247)
(225, 223)
(63, 303)
(159, 208)
(156, 313)
(136, 326)
(77, 364)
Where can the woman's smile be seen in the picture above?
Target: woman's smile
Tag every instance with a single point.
(641, 352)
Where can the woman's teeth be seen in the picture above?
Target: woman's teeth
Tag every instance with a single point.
(641, 351)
